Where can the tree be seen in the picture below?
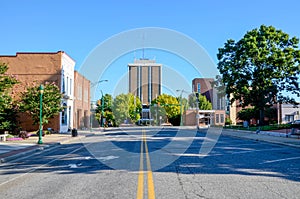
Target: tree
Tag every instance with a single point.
(125, 107)
(107, 109)
(30, 101)
(8, 109)
(170, 104)
(262, 66)
(248, 114)
(203, 103)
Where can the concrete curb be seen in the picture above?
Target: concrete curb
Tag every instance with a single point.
(260, 137)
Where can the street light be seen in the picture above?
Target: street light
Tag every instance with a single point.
(41, 89)
(180, 106)
(92, 85)
(95, 83)
(102, 105)
(197, 109)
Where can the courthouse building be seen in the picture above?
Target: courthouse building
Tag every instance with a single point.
(145, 79)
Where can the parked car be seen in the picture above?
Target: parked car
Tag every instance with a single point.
(295, 122)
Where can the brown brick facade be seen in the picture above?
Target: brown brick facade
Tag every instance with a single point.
(81, 102)
(39, 68)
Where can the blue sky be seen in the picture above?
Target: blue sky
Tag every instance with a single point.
(78, 27)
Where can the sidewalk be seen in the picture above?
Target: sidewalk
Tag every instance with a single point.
(266, 136)
(10, 150)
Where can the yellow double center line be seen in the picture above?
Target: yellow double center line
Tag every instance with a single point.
(140, 189)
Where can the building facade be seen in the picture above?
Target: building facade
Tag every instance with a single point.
(81, 102)
(204, 87)
(38, 68)
(217, 115)
(145, 79)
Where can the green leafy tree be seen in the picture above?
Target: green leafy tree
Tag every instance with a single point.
(262, 66)
(171, 106)
(125, 107)
(30, 102)
(107, 110)
(203, 103)
(8, 109)
(248, 114)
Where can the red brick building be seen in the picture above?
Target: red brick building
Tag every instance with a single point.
(81, 102)
(37, 68)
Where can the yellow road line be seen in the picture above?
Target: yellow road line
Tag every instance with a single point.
(151, 191)
(140, 190)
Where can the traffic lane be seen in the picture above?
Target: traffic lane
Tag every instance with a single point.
(230, 162)
(238, 156)
(69, 171)
(235, 168)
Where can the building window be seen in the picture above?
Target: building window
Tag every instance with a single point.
(79, 92)
(64, 115)
(198, 88)
(67, 86)
(63, 84)
(289, 118)
(217, 119)
(70, 87)
(222, 121)
(86, 96)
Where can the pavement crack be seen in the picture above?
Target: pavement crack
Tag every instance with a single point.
(180, 182)
(273, 191)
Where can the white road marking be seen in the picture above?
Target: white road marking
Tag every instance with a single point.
(279, 160)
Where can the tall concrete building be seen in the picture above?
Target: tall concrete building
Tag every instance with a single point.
(145, 79)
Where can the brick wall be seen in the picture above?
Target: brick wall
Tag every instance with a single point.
(34, 68)
(81, 102)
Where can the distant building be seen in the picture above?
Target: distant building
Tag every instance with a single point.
(44, 67)
(287, 113)
(216, 116)
(204, 87)
(145, 79)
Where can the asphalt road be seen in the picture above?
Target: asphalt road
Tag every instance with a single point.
(155, 163)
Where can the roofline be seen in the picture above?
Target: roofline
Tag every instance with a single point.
(20, 53)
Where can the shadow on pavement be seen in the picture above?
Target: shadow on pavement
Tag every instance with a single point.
(230, 156)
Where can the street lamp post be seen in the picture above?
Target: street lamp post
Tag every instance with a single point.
(197, 110)
(92, 85)
(102, 105)
(41, 89)
(181, 122)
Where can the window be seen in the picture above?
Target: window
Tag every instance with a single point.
(63, 84)
(86, 96)
(79, 92)
(222, 118)
(64, 115)
(289, 118)
(217, 119)
(70, 87)
(198, 87)
(67, 86)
